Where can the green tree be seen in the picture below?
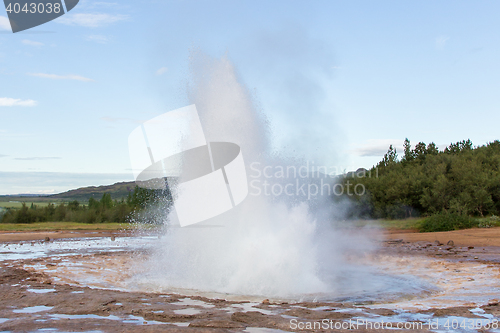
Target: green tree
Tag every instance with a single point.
(458, 147)
(420, 152)
(74, 205)
(106, 201)
(432, 149)
(390, 157)
(461, 180)
(93, 203)
(408, 153)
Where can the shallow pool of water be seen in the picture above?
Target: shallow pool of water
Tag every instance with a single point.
(398, 281)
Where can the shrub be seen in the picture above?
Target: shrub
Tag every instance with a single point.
(8, 216)
(446, 222)
(489, 222)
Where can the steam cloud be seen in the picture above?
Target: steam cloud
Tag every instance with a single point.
(278, 247)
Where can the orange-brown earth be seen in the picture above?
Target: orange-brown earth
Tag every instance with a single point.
(467, 237)
(32, 300)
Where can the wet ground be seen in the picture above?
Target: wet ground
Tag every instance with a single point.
(81, 285)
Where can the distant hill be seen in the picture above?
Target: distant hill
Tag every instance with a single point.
(83, 194)
(117, 191)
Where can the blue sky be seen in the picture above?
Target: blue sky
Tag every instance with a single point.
(343, 78)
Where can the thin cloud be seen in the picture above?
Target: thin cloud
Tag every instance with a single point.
(1, 155)
(118, 119)
(377, 147)
(104, 4)
(371, 151)
(441, 42)
(4, 23)
(113, 119)
(23, 182)
(99, 5)
(6, 101)
(91, 20)
(36, 158)
(31, 42)
(97, 39)
(46, 191)
(14, 134)
(161, 71)
(442, 147)
(61, 77)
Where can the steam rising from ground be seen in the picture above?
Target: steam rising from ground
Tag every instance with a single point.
(274, 246)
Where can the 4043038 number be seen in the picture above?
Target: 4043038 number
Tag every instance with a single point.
(34, 8)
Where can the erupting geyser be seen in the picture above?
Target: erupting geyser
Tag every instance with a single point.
(274, 246)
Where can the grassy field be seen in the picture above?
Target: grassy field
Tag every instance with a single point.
(416, 223)
(18, 204)
(53, 226)
(406, 224)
